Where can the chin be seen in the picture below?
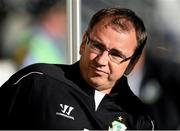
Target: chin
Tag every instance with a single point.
(95, 81)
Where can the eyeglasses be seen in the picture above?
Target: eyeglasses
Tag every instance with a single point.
(114, 55)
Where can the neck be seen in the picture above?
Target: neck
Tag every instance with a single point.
(105, 91)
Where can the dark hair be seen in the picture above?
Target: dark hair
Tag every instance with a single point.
(124, 20)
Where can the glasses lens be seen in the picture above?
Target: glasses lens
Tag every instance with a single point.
(116, 59)
(96, 47)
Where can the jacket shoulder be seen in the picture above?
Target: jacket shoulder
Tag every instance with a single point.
(51, 70)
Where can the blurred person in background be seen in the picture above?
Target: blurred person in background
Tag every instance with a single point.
(44, 40)
(156, 82)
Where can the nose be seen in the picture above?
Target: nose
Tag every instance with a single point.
(103, 58)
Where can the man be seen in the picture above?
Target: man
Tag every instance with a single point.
(90, 94)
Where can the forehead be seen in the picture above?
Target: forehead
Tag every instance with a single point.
(113, 36)
(118, 23)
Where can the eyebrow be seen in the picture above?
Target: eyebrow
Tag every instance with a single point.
(120, 52)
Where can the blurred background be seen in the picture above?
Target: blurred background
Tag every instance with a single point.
(50, 31)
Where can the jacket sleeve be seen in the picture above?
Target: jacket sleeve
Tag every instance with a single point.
(13, 94)
(8, 93)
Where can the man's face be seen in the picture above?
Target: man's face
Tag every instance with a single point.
(98, 69)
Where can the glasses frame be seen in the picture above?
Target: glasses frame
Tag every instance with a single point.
(88, 42)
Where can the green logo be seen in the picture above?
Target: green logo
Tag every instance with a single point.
(117, 125)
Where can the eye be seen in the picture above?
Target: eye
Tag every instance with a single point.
(97, 45)
(116, 54)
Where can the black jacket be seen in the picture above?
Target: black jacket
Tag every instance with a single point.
(47, 96)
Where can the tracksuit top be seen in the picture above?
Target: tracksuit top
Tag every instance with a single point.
(55, 96)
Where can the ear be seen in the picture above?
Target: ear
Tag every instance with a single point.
(135, 57)
(131, 65)
(83, 44)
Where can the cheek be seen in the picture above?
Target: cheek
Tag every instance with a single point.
(118, 71)
(87, 56)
